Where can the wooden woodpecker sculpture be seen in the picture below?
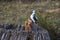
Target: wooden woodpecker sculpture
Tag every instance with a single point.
(29, 24)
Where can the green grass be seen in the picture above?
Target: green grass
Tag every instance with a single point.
(51, 22)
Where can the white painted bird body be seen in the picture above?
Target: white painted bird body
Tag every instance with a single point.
(33, 16)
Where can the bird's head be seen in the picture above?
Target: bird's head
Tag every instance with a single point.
(33, 12)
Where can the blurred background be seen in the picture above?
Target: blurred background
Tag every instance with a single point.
(18, 11)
